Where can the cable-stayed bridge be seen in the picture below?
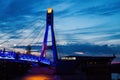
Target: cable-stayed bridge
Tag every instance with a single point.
(16, 61)
(36, 32)
(83, 66)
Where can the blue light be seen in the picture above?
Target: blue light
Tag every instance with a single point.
(24, 57)
(27, 57)
(45, 61)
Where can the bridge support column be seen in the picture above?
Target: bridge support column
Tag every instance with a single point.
(49, 26)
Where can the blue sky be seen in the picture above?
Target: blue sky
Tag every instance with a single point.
(76, 22)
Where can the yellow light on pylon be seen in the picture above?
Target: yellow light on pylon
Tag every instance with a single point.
(49, 10)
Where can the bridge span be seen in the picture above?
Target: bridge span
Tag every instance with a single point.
(65, 68)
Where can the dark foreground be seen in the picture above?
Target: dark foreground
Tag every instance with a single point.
(65, 70)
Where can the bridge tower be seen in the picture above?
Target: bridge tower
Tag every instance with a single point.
(49, 26)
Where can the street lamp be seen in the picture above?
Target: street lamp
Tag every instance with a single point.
(14, 47)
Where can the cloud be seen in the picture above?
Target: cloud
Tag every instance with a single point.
(99, 8)
(89, 49)
(92, 24)
(104, 10)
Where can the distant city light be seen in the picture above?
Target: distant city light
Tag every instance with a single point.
(68, 58)
(15, 45)
(79, 53)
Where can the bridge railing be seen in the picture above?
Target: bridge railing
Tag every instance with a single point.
(17, 56)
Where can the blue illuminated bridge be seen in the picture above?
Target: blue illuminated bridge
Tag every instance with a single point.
(11, 55)
(14, 63)
(78, 67)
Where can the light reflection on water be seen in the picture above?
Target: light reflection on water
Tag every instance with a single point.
(41, 77)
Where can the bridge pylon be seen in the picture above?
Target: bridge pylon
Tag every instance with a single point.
(49, 26)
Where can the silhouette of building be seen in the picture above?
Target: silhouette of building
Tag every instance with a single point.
(87, 67)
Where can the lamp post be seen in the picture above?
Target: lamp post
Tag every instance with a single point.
(14, 47)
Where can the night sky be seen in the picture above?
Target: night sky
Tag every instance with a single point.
(82, 27)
